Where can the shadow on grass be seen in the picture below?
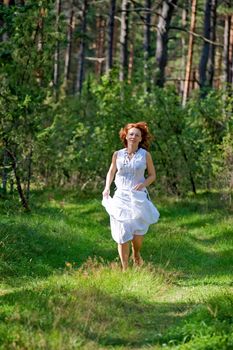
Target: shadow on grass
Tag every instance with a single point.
(76, 311)
(40, 243)
(193, 238)
(88, 313)
(69, 229)
(191, 257)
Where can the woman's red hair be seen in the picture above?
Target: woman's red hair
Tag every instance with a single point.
(142, 126)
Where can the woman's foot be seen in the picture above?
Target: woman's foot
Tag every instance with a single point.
(136, 247)
(137, 260)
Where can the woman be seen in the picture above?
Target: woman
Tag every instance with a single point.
(130, 210)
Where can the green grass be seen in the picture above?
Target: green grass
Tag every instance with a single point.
(62, 286)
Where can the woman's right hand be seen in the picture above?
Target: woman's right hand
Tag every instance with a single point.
(106, 192)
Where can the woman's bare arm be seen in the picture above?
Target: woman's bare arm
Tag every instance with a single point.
(110, 175)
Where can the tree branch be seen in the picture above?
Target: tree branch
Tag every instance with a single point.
(197, 35)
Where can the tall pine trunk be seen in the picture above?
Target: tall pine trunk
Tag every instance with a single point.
(166, 11)
(100, 45)
(183, 50)
(190, 52)
(147, 45)
(5, 35)
(231, 52)
(109, 59)
(56, 67)
(207, 62)
(131, 62)
(68, 51)
(82, 48)
(124, 39)
(40, 42)
(228, 43)
(226, 50)
(1, 21)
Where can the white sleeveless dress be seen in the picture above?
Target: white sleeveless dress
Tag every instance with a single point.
(131, 212)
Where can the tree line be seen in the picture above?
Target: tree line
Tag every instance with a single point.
(186, 43)
(72, 72)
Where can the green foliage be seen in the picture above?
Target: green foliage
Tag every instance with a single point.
(212, 124)
(224, 165)
(25, 75)
(187, 147)
(73, 139)
(187, 143)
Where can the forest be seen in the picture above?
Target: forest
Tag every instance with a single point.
(74, 72)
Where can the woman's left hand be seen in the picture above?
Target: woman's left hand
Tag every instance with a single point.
(139, 187)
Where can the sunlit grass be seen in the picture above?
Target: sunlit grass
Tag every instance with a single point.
(62, 286)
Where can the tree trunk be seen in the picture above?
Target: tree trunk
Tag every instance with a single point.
(4, 172)
(131, 62)
(56, 67)
(190, 52)
(39, 41)
(69, 47)
(183, 50)
(231, 53)
(166, 12)
(40, 30)
(29, 175)
(18, 181)
(207, 62)
(124, 40)
(226, 50)
(228, 43)
(1, 21)
(101, 25)
(8, 2)
(147, 45)
(4, 36)
(80, 73)
(109, 60)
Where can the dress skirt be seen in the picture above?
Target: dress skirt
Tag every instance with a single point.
(131, 213)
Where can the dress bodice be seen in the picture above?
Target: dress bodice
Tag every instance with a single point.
(130, 172)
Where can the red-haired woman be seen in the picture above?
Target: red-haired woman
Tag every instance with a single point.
(130, 210)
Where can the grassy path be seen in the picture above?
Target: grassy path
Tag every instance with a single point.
(62, 288)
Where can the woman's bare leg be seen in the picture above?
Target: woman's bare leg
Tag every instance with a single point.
(123, 250)
(136, 247)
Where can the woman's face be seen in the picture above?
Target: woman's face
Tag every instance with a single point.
(134, 136)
